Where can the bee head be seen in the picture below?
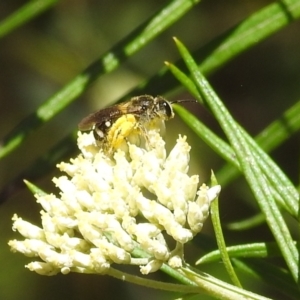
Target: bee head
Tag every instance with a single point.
(163, 108)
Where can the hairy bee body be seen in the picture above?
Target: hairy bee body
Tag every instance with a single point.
(115, 125)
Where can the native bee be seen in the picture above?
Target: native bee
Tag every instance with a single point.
(114, 125)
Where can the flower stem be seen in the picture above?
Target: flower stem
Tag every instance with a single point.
(172, 287)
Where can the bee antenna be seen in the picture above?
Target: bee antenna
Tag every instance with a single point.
(184, 100)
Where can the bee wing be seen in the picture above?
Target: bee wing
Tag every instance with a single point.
(111, 113)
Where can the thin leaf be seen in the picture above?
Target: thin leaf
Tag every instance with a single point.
(281, 187)
(222, 49)
(247, 223)
(277, 278)
(34, 189)
(271, 137)
(215, 217)
(249, 164)
(24, 14)
(249, 32)
(259, 250)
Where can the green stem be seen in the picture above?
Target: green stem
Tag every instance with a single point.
(171, 287)
(219, 289)
(205, 284)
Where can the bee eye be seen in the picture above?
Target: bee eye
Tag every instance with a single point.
(168, 109)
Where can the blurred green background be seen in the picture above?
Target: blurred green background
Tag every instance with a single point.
(39, 58)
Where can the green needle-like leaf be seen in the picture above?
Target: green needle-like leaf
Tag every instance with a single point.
(34, 189)
(249, 163)
(282, 189)
(215, 216)
(277, 278)
(24, 14)
(249, 32)
(260, 250)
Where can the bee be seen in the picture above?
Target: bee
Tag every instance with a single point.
(114, 125)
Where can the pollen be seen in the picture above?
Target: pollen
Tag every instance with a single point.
(121, 130)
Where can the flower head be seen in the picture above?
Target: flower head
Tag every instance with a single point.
(111, 206)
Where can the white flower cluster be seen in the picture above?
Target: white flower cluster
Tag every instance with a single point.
(110, 207)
